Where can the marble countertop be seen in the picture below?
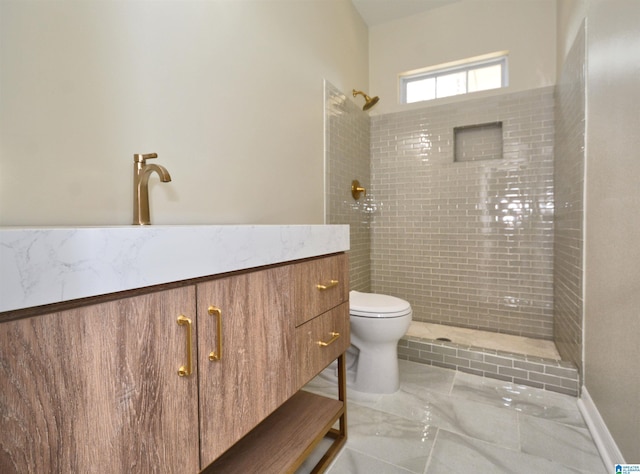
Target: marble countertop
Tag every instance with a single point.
(47, 265)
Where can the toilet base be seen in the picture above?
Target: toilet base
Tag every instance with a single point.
(377, 370)
(376, 384)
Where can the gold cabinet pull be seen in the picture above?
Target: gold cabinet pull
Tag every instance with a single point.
(334, 337)
(217, 354)
(183, 371)
(331, 284)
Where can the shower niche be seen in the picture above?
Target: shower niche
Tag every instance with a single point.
(477, 142)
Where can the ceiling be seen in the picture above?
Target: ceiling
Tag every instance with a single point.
(375, 12)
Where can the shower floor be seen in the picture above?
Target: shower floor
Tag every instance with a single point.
(487, 339)
(513, 359)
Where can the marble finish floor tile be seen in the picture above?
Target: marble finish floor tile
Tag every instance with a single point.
(389, 438)
(568, 445)
(461, 416)
(352, 462)
(521, 398)
(460, 454)
(433, 378)
(446, 421)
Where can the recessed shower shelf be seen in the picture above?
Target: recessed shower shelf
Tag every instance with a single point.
(478, 142)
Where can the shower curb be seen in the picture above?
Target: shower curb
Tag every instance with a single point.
(548, 374)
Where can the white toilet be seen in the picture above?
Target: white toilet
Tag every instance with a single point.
(377, 324)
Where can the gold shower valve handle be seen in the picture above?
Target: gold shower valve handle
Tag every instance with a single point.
(334, 337)
(217, 354)
(356, 189)
(186, 370)
(331, 284)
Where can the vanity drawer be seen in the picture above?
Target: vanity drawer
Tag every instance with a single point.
(319, 285)
(320, 341)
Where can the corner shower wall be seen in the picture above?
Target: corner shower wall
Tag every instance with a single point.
(467, 243)
(569, 208)
(347, 158)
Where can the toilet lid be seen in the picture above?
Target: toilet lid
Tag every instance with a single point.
(373, 305)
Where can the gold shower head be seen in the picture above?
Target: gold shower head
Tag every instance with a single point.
(369, 101)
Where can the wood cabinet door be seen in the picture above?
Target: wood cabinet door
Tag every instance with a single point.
(254, 374)
(96, 389)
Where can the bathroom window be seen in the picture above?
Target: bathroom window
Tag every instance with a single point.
(447, 80)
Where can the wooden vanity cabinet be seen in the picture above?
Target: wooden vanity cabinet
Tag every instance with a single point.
(96, 389)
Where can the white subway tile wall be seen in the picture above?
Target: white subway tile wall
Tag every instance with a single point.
(468, 244)
(347, 158)
(569, 209)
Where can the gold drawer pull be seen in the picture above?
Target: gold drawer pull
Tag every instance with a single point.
(334, 337)
(331, 284)
(217, 354)
(183, 371)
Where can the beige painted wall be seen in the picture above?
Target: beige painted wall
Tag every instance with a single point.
(570, 15)
(469, 28)
(612, 252)
(612, 194)
(229, 94)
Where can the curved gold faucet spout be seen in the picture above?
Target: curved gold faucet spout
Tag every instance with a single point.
(141, 173)
(165, 177)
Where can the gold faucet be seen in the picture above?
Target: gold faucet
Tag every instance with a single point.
(141, 173)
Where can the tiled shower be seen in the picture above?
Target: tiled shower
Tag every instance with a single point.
(470, 236)
(468, 243)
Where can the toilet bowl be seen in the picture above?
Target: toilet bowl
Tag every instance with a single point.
(377, 324)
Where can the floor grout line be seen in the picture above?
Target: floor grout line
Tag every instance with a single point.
(433, 446)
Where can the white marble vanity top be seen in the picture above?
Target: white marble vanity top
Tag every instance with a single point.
(49, 265)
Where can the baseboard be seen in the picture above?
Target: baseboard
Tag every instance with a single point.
(605, 443)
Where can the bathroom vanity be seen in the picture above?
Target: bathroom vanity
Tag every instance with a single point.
(199, 371)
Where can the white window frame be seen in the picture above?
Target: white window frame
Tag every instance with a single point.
(467, 66)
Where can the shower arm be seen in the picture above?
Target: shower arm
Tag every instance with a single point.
(369, 101)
